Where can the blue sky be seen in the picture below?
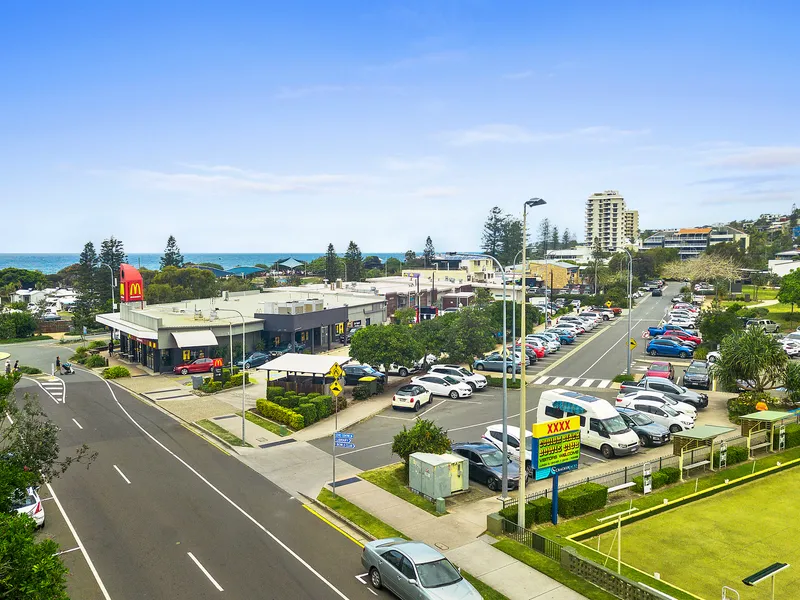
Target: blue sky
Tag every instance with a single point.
(269, 127)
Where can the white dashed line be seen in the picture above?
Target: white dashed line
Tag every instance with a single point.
(78, 424)
(121, 474)
(206, 573)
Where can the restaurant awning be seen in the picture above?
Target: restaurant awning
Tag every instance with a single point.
(195, 338)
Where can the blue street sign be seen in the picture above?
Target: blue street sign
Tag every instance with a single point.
(342, 436)
(344, 445)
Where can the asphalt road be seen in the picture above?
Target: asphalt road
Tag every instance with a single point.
(162, 513)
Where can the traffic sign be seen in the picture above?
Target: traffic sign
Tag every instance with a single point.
(608, 304)
(632, 343)
(344, 445)
(336, 388)
(336, 371)
(343, 436)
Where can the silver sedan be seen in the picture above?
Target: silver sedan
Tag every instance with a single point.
(414, 571)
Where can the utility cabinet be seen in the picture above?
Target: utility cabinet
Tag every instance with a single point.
(438, 475)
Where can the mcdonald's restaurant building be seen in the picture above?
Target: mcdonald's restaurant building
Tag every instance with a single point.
(162, 336)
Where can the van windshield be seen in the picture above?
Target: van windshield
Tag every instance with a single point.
(615, 425)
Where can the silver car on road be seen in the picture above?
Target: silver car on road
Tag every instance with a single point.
(414, 571)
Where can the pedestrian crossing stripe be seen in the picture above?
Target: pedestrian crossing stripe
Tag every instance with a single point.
(573, 382)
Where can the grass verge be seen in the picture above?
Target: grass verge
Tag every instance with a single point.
(35, 338)
(378, 529)
(393, 480)
(552, 569)
(280, 430)
(222, 433)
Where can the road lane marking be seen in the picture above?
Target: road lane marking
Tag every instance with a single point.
(362, 578)
(222, 495)
(205, 572)
(588, 382)
(603, 383)
(557, 380)
(614, 345)
(44, 389)
(121, 474)
(80, 544)
(540, 381)
(66, 551)
(572, 381)
(78, 424)
(336, 527)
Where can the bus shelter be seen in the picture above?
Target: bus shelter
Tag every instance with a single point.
(762, 429)
(695, 447)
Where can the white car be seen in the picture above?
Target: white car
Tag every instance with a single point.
(680, 322)
(587, 324)
(596, 317)
(473, 380)
(791, 347)
(28, 502)
(659, 398)
(444, 385)
(549, 337)
(571, 327)
(494, 436)
(663, 414)
(411, 396)
(550, 347)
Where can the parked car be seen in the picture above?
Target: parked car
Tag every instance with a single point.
(256, 359)
(586, 324)
(550, 346)
(27, 502)
(486, 464)
(550, 336)
(494, 435)
(597, 317)
(764, 324)
(696, 376)
(401, 370)
(286, 348)
(650, 433)
(659, 398)
(346, 338)
(531, 353)
(660, 412)
(791, 347)
(199, 365)
(494, 362)
(352, 374)
(663, 347)
(473, 380)
(676, 338)
(683, 336)
(657, 293)
(565, 336)
(444, 385)
(676, 392)
(661, 369)
(414, 571)
(411, 396)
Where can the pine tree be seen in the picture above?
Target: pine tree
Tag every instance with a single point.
(428, 253)
(566, 239)
(86, 288)
(172, 255)
(112, 253)
(510, 242)
(493, 233)
(353, 260)
(544, 236)
(331, 264)
(554, 239)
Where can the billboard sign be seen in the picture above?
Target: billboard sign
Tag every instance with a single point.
(556, 446)
(131, 286)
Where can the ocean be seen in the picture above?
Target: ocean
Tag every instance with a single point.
(53, 263)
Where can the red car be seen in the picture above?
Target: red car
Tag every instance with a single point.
(617, 310)
(200, 365)
(661, 369)
(539, 351)
(683, 336)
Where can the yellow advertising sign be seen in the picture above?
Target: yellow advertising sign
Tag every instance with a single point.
(547, 428)
(187, 355)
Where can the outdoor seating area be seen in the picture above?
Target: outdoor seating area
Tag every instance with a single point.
(695, 447)
(760, 429)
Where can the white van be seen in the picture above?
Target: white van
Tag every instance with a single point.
(601, 426)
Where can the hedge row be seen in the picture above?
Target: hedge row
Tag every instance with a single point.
(736, 454)
(279, 414)
(792, 436)
(582, 499)
(537, 511)
(660, 478)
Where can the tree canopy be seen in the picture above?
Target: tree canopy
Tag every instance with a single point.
(332, 264)
(385, 345)
(354, 262)
(172, 254)
(753, 357)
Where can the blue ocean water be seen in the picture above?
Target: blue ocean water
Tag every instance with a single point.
(53, 263)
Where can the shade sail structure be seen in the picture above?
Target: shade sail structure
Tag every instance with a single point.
(316, 364)
(245, 270)
(291, 263)
(193, 339)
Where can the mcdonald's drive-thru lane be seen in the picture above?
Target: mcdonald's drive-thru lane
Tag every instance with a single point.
(161, 513)
(587, 368)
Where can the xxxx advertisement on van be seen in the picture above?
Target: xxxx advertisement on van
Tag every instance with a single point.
(556, 446)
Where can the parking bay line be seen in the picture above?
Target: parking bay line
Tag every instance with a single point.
(205, 572)
(78, 424)
(614, 345)
(121, 474)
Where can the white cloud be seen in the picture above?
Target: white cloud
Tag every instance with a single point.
(424, 163)
(516, 134)
(291, 93)
(760, 157)
(518, 75)
(438, 191)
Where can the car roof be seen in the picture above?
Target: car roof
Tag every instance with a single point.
(476, 446)
(408, 387)
(418, 552)
(512, 429)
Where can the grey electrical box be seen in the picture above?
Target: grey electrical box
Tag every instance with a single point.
(437, 475)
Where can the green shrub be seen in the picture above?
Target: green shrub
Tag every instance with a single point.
(97, 344)
(339, 404)
(659, 479)
(424, 436)
(322, 407)
(279, 414)
(623, 377)
(361, 392)
(673, 474)
(537, 511)
(313, 395)
(328, 402)
(291, 402)
(81, 350)
(78, 359)
(701, 352)
(498, 382)
(736, 454)
(212, 387)
(236, 381)
(115, 372)
(29, 370)
(274, 391)
(92, 362)
(792, 435)
(309, 412)
(582, 499)
(745, 404)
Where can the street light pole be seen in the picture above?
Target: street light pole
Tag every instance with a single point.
(110, 268)
(514, 314)
(244, 379)
(630, 304)
(523, 438)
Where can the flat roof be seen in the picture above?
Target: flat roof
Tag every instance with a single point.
(767, 415)
(703, 432)
(316, 364)
(115, 320)
(694, 230)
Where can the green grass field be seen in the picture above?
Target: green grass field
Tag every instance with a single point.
(720, 540)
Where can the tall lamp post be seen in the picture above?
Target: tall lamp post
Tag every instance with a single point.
(505, 368)
(523, 441)
(113, 281)
(630, 304)
(244, 379)
(514, 316)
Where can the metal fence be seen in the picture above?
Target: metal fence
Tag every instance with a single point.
(533, 540)
(626, 474)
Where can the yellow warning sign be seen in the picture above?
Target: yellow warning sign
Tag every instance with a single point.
(336, 371)
(336, 388)
(608, 304)
(632, 343)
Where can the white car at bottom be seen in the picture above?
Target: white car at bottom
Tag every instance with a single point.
(444, 385)
(28, 502)
(660, 412)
